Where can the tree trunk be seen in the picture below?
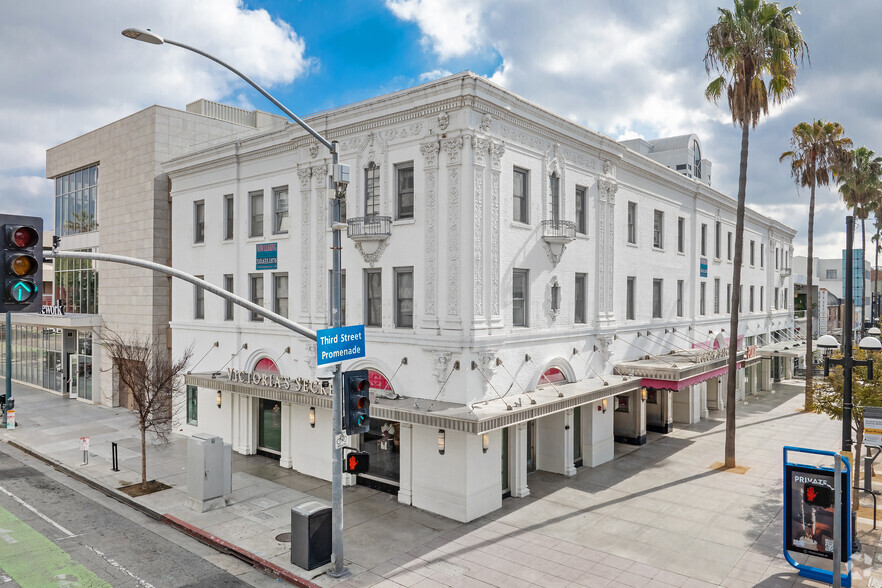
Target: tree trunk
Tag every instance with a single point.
(143, 455)
(809, 323)
(731, 381)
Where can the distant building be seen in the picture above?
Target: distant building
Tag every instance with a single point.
(682, 154)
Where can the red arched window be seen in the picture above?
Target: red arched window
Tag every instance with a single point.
(552, 376)
(378, 381)
(266, 366)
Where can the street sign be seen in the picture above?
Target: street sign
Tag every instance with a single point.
(873, 426)
(10, 419)
(335, 345)
(809, 527)
(84, 444)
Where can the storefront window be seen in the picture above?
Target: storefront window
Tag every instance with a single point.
(383, 443)
(192, 405)
(36, 355)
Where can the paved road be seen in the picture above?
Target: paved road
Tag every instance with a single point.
(54, 533)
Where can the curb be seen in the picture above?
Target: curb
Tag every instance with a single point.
(175, 523)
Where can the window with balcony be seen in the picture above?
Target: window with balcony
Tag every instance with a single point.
(372, 190)
(555, 197)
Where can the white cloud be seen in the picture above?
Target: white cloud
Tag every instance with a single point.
(433, 75)
(450, 27)
(75, 72)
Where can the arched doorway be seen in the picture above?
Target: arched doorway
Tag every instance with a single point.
(269, 416)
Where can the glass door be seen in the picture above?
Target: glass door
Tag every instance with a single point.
(72, 367)
(269, 428)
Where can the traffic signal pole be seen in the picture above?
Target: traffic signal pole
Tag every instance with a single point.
(8, 362)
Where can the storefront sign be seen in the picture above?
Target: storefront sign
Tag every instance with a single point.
(750, 352)
(809, 524)
(335, 345)
(873, 426)
(267, 256)
(56, 309)
(703, 267)
(276, 381)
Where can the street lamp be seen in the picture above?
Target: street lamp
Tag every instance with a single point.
(874, 331)
(337, 183)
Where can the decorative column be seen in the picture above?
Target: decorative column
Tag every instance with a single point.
(453, 149)
(607, 188)
(305, 176)
(405, 476)
(569, 468)
(286, 461)
(480, 149)
(429, 152)
(320, 177)
(518, 469)
(243, 423)
(497, 150)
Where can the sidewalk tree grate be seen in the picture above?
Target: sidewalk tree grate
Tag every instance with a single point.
(283, 538)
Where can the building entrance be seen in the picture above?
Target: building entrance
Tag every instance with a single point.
(383, 443)
(269, 429)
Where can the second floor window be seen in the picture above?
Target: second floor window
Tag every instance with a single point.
(729, 246)
(656, 298)
(404, 297)
(228, 304)
(256, 294)
(373, 296)
(701, 298)
(199, 222)
(679, 297)
(555, 198)
(681, 235)
(255, 227)
(718, 240)
(280, 210)
(520, 196)
(199, 301)
(658, 230)
(404, 175)
(229, 217)
(752, 248)
(581, 210)
(372, 190)
(630, 311)
(581, 281)
(703, 239)
(280, 294)
(519, 298)
(716, 295)
(632, 222)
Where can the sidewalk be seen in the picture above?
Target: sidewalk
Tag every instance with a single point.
(657, 515)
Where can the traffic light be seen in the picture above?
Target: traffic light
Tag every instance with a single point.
(356, 402)
(818, 495)
(357, 462)
(22, 263)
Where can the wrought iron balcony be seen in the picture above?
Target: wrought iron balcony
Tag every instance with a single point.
(785, 272)
(558, 231)
(369, 228)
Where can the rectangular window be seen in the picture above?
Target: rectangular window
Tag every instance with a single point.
(751, 299)
(76, 201)
(679, 297)
(520, 196)
(785, 298)
(681, 235)
(701, 298)
(228, 304)
(228, 217)
(777, 299)
(777, 256)
(718, 240)
(762, 255)
(404, 175)
(280, 294)
(373, 298)
(199, 221)
(752, 248)
(581, 288)
(630, 310)
(372, 191)
(404, 297)
(342, 295)
(729, 246)
(728, 298)
(831, 274)
(519, 299)
(280, 210)
(762, 297)
(555, 198)
(581, 210)
(256, 294)
(199, 301)
(658, 230)
(632, 222)
(656, 298)
(192, 405)
(255, 227)
(716, 295)
(703, 239)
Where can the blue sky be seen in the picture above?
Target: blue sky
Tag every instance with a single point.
(626, 68)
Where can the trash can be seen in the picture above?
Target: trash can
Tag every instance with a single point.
(311, 534)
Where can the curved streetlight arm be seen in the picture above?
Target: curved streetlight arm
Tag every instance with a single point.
(154, 39)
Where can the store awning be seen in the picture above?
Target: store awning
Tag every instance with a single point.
(679, 369)
(788, 348)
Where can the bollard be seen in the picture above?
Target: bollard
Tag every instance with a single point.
(868, 474)
(115, 467)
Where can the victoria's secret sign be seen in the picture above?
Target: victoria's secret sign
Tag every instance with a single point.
(277, 381)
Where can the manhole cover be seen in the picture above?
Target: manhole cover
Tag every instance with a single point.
(284, 538)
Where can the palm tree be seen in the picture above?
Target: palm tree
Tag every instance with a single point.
(818, 151)
(861, 189)
(758, 40)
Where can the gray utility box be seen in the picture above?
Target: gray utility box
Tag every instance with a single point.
(311, 534)
(209, 467)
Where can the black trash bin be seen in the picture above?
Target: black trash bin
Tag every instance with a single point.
(311, 524)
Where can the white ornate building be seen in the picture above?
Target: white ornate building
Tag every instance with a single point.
(532, 292)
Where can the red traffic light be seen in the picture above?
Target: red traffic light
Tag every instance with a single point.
(23, 236)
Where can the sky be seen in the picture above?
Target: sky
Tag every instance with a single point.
(625, 68)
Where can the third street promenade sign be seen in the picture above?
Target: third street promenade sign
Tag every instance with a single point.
(335, 345)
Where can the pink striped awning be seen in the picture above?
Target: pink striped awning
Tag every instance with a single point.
(679, 385)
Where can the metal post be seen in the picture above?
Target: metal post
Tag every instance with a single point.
(837, 521)
(339, 569)
(847, 335)
(115, 457)
(8, 363)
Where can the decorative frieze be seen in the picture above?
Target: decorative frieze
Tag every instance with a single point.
(320, 177)
(305, 176)
(429, 152)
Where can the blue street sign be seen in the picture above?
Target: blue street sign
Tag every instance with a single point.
(335, 345)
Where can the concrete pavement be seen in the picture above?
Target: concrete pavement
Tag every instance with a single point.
(657, 515)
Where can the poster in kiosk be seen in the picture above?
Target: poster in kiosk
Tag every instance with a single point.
(810, 505)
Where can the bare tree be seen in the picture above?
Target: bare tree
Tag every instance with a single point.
(150, 374)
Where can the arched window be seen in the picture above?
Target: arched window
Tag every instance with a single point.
(378, 381)
(552, 375)
(696, 154)
(266, 366)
